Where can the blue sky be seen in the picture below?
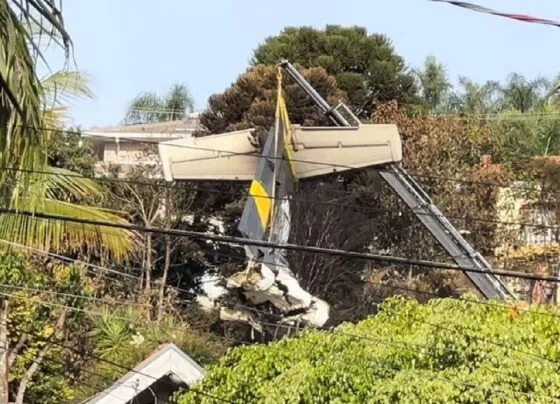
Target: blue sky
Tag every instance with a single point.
(131, 46)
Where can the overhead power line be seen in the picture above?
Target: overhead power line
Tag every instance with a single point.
(230, 256)
(505, 117)
(413, 290)
(106, 361)
(342, 333)
(414, 174)
(73, 296)
(421, 346)
(518, 17)
(336, 331)
(245, 193)
(380, 284)
(312, 162)
(369, 339)
(88, 265)
(284, 246)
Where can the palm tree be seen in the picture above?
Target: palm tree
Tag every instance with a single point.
(553, 92)
(524, 95)
(475, 98)
(54, 190)
(22, 142)
(149, 107)
(433, 82)
(58, 191)
(30, 112)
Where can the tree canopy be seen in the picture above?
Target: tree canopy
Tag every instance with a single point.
(433, 83)
(444, 351)
(365, 65)
(251, 100)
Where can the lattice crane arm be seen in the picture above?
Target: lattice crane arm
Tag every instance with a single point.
(490, 285)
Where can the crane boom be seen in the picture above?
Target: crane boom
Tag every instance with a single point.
(412, 194)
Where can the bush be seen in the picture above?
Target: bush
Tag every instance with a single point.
(445, 351)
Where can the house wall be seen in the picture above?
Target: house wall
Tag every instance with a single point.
(517, 205)
(126, 153)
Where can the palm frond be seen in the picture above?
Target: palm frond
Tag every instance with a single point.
(60, 235)
(53, 192)
(27, 107)
(46, 19)
(66, 86)
(53, 118)
(60, 180)
(21, 142)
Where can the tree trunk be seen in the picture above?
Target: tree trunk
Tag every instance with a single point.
(15, 350)
(148, 278)
(4, 351)
(166, 265)
(37, 362)
(141, 277)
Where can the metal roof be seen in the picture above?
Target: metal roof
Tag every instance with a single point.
(169, 360)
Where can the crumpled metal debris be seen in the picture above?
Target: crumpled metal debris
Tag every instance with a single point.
(270, 279)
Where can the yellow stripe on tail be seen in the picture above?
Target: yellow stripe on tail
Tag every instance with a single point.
(263, 202)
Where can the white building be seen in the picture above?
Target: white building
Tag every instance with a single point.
(130, 145)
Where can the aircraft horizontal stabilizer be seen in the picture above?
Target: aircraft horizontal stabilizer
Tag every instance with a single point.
(230, 156)
(314, 151)
(324, 150)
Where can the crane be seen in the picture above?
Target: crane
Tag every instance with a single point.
(290, 153)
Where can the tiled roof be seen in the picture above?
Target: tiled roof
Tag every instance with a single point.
(554, 159)
(189, 124)
(486, 162)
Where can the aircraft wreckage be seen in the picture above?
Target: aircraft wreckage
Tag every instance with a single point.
(290, 153)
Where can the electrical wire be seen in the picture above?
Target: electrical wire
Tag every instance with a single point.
(427, 293)
(283, 246)
(418, 175)
(495, 116)
(377, 340)
(107, 361)
(435, 326)
(518, 17)
(301, 200)
(382, 285)
(82, 381)
(129, 276)
(432, 325)
(312, 162)
(62, 294)
(230, 256)
(285, 266)
(280, 265)
(57, 305)
(335, 331)
(101, 268)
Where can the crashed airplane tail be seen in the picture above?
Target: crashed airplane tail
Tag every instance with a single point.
(289, 153)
